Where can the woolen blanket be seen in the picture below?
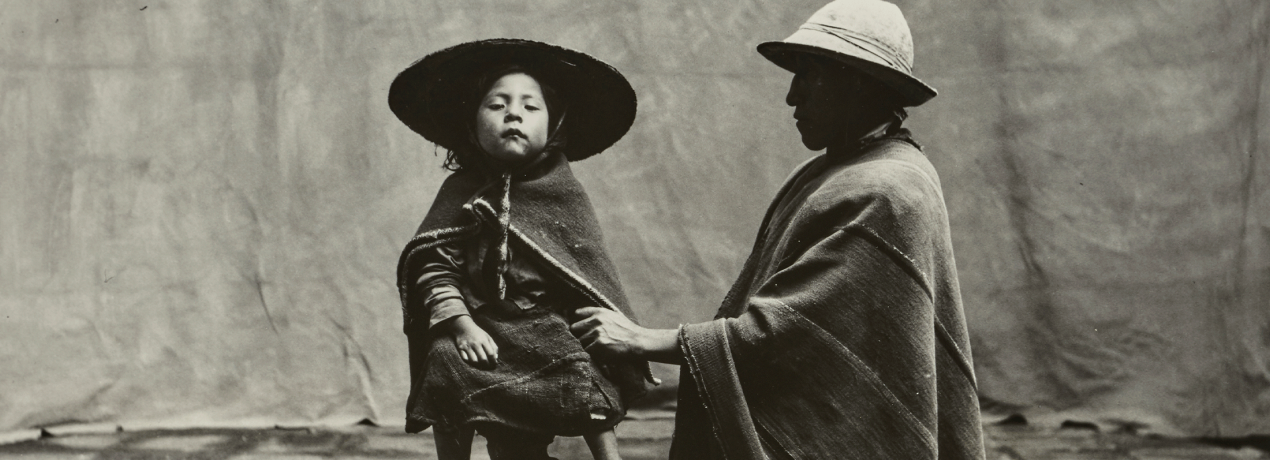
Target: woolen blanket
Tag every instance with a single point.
(544, 209)
(844, 335)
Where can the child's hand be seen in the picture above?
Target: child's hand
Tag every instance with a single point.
(474, 344)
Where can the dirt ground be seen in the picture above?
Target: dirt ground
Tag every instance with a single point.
(643, 439)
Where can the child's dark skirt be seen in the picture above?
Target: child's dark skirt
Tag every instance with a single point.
(544, 383)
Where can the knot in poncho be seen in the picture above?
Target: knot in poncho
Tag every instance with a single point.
(545, 208)
(547, 213)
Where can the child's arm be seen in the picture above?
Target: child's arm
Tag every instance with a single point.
(439, 279)
(603, 445)
(474, 344)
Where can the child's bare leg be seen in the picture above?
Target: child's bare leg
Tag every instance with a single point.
(452, 443)
(603, 445)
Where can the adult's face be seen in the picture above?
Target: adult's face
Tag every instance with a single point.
(826, 100)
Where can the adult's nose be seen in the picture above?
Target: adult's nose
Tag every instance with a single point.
(795, 94)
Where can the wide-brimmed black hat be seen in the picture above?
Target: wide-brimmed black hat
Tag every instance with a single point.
(434, 95)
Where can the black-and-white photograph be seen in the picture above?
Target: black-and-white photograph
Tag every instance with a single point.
(656, 229)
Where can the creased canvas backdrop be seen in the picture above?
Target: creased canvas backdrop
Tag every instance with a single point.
(202, 202)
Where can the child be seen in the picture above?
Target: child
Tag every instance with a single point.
(509, 248)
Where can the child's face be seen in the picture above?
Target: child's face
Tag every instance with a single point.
(511, 124)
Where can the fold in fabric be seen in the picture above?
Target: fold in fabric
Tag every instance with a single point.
(706, 351)
(552, 217)
(844, 333)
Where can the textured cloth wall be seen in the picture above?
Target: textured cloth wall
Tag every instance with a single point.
(202, 202)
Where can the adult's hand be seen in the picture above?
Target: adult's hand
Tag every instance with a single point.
(607, 334)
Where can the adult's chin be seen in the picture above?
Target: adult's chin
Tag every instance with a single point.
(812, 138)
(814, 142)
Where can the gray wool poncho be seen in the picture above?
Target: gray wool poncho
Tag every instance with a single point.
(844, 335)
(545, 382)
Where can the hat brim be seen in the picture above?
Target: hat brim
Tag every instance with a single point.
(432, 96)
(912, 91)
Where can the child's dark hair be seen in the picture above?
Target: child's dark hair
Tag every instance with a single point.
(455, 160)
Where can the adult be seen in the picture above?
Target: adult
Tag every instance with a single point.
(844, 335)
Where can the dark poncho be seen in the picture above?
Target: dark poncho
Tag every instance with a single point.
(545, 210)
(844, 335)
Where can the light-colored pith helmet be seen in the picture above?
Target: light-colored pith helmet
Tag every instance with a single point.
(868, 35)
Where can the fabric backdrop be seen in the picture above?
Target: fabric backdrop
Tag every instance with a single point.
(202, 202)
